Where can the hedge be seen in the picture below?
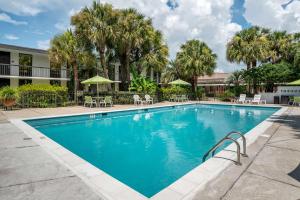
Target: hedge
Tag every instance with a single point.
(42, 95)
(176, 90)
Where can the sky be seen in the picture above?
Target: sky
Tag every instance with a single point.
(33, 23)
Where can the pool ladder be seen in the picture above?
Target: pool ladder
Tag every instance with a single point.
(238, 147)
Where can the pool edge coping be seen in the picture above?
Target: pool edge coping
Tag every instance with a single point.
(110, 188)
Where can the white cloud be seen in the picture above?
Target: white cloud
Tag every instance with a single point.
(206, 20)
(6, 18)
(11, 37)
(275, 14)
(43, 44)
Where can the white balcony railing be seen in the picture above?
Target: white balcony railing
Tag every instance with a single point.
(31, 71)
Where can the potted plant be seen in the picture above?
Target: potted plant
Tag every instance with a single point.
(8, 96)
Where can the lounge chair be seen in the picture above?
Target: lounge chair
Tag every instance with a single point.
(148, 99)
(257, 100)
(89, 100)
(137, 100)
(107, 100)
(242, 99)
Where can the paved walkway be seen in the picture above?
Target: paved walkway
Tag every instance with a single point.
(272, 170)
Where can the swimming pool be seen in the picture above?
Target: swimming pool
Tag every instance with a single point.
(149, 149)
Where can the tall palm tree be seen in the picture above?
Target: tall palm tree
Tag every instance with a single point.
(280, 45)
(249, 46)
(130, 30)
(154, 53)
(171, 72)
(96, 24)
(236, 78)
(195, 58)
(65, 50)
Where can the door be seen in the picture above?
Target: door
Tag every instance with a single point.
(4, 63)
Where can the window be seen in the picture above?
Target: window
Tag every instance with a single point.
(4, 82)
(55, 82)
(24, 81)
(25, 62)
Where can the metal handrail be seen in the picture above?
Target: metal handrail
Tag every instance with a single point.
(227, 137)
(243, 139)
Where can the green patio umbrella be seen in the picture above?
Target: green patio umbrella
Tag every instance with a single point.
(297, 82)
(179, 82)
(97, 80)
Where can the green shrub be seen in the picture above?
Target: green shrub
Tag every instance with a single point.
(42, 95)
(142, 84)
(226, 96)
(200, 92)
(173, 90)
(8, 93)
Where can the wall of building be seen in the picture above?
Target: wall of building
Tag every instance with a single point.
(39, 60)
(281, 91)
(14, 82)
(40, 81)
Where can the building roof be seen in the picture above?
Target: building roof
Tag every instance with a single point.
(214, 78)
(19, 48)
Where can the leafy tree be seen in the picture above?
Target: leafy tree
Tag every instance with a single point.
(280, 45)
(236, 78)
(195, 59)
(65, 50)
(270, 74)
(142, 84)
(95, 25)
(171, 72)
(249, 46)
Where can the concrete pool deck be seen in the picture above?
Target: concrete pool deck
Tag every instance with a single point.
(270, 172)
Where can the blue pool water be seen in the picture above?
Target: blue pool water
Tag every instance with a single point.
(150, 149)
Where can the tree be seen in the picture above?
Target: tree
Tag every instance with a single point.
(65, 50)
(270, 74)
(280, 46)
(95, 25)
(130, 29)
(249, 46)
(195, 59)
(171, 72)
(153, 53)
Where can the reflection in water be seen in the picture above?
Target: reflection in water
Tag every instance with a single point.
(148, 116)
(136, 117)
(242, 112)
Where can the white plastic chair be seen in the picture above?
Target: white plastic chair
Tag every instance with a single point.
(242, 98)
(257, 99)
(148, 99)
(137, 100)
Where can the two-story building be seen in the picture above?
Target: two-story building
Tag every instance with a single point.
(22, 65)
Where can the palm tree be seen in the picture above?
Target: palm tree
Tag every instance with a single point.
(280, 45)
(96, 24)
(171, 72)
(130, 30)
(65, 50)
(195, 59)
(249, 46)
(236, 78)
(153, 53)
